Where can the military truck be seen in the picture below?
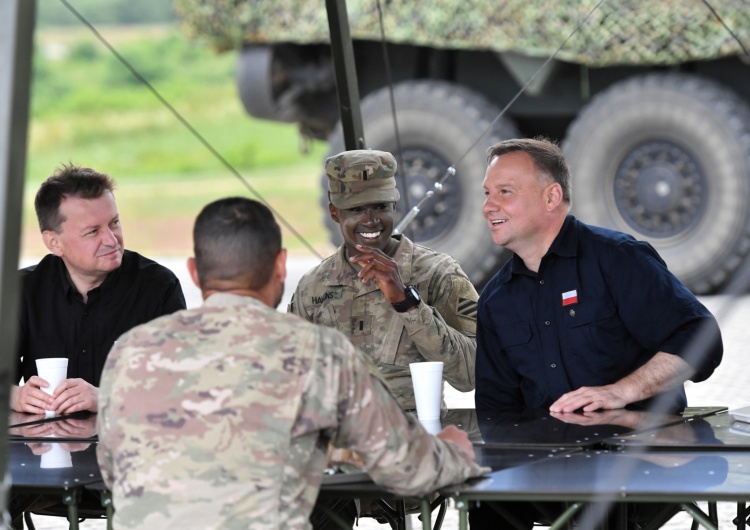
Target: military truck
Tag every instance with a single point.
(649, 99)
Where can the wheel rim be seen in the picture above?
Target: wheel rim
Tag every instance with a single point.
(439, 214)
(660, 189)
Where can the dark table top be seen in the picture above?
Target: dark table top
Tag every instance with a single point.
(505, 458)
(637, 476)
(503, 440)
(540, 428)
(501, 428)
(715, 432)
(72, 427)
(54, 465)
(360, 485)
(52, 453)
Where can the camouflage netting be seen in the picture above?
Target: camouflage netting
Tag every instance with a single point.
(618, 32)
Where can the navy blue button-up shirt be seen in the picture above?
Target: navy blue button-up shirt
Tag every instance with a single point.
(601, 305)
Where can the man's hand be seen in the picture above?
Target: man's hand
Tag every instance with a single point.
(623, 417)
(74, 447)
(40, 430)
(453, 434)
(16, 418)
(632, 419)
(39, 448)
(73, 395)
(661, 373)
(590, 398)
(30, 397)
(74, 427)
(378, 266)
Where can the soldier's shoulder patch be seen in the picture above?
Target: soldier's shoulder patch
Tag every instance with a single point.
(466, 308)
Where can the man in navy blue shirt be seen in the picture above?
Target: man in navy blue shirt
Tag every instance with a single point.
(580, 317)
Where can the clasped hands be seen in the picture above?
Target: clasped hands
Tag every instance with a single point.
(72, 395)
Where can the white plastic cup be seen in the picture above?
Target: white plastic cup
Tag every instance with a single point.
(432, 426)
(56, 458)
(54, 371)
(427, 379)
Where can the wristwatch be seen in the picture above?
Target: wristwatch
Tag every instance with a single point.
(412, 300)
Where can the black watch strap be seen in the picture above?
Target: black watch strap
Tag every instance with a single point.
(412, 300)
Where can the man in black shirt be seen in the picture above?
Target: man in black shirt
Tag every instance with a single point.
(581, 317)
(85, 294)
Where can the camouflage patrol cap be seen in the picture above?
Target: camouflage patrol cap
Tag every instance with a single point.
(360, 177)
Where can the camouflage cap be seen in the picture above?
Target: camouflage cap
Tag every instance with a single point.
(361, 177)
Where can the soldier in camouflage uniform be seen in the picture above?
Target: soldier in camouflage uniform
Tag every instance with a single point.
(398, 302)
(220, 416)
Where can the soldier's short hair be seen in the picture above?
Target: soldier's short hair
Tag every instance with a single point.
(236, 238)
(547, 156)
(67, 181)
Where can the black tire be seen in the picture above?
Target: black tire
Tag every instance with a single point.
(437, 124)
(666, 158)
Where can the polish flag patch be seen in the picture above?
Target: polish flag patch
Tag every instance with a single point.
(571, 297)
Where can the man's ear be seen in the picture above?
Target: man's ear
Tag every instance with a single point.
(334, 212)
(193, 270)
(554, 196)
(52, 242)
(280, 265)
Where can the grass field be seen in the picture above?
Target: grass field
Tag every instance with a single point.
(87, 109)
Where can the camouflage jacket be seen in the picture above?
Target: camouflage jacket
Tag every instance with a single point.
(442, 328)
(220, 416)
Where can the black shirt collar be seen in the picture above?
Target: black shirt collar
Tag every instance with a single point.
(565, 244)
(71, 292)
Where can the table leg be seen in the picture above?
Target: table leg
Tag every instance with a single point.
(699, 516)
(741, 521)
(106, 497)
(713, 512)
(566, 516)
(426, 515)
(395, 515)
(70, 498)
(463, 514)
(401, 514)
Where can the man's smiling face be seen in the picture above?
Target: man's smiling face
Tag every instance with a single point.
(514, 203)
(90, 240)
(369, 225)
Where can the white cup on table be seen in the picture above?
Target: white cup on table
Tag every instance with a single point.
(54, 371)
(56, 457)
(432, 426)
(427, 378)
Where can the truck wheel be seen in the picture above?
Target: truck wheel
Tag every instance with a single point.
(437, 124)
(666, 158)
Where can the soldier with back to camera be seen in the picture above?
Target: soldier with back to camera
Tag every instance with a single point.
(220, 416)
